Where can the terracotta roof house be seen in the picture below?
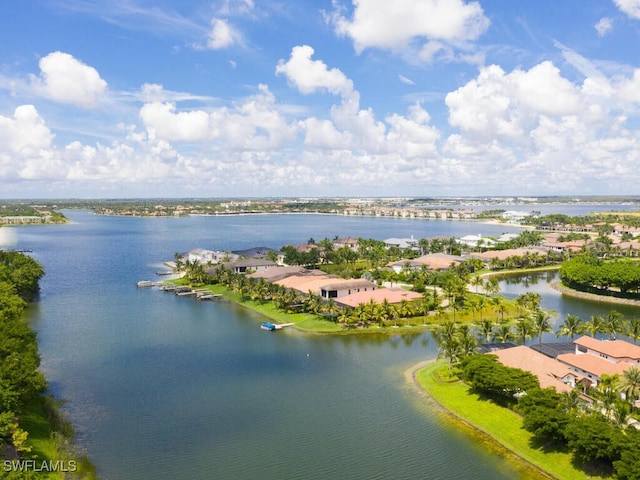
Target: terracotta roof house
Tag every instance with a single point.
(550, 372)
(305, 283)
(391, 295)
(274, 274)
(592, 367)
(573, 246)
(611, 350)
(433, 261)
(342, 287)
(327, 286)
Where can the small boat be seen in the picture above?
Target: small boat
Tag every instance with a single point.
(145, 283)
(268, 326)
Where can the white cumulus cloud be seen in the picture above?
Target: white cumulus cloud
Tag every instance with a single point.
(393, 25)
(65, 79)
(309, 75)
(222, 35)
(630, 7)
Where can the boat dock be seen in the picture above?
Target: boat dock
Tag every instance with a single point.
(274, 326)
(183, 291)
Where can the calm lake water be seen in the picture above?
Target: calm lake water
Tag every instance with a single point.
(160, 386)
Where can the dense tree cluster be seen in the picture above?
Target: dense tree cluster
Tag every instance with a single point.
(588, 273)
(20, 380)
(496, 381)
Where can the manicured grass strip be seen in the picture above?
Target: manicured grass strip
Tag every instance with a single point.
(500, 423)
(34, 421)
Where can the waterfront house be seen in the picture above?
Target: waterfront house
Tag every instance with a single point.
(275, 274)
(203, 256)
(342, 287)
(592, 367)
(326, 286)
(245, 265)
(550, 372)
(391, 295)
(613, 351)
(305, 283)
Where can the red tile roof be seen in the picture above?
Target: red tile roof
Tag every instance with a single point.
(548, 370)
(617, 349)
(392, 295)
(595, 365)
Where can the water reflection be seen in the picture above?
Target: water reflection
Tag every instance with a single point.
(560, 305)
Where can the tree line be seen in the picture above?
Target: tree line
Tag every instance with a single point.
(591, 274)
(20, 380)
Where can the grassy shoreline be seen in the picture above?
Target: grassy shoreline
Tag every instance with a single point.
(498, 428)
(51, 441)
(310, 323)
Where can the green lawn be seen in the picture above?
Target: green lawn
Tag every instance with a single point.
(502, 424)
(44, 447)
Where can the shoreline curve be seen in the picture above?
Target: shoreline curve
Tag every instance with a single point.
(508, 454)
(570, 292)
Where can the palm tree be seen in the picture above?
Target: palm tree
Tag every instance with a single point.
(467, 340)
(632, 329)
(541, 324)
(477, 282)
(594, 326)
(491, 286)
(425, 305)
(629, 384)
(405, 309)
(571, 327)
(607, 392)
(503, 334)
(178, 261)
(524, 328)
(485, 329)
(499, 306)
(614, 323)
(448, 342)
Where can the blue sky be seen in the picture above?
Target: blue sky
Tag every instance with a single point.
(133, 98)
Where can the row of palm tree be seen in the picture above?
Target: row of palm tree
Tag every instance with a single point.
(612, 324)
(454, 339)
(290, 300)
